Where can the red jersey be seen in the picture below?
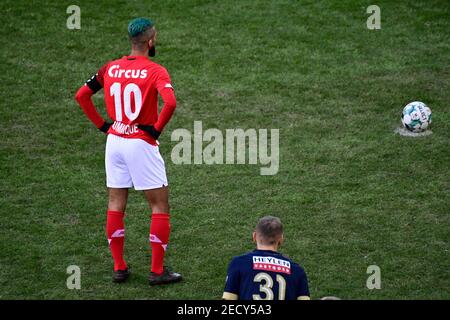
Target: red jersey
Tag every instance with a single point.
(131, 86)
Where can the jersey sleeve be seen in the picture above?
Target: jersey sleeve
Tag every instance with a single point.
(170, 104)
(231, 291)
(163, 80)
(95, 83)
(165, 90)
(84, 94)
(302, 288)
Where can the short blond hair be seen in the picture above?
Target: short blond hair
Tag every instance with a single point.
(269, 230)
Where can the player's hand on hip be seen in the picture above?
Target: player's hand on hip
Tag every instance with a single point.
(105, 127)
(150, 130)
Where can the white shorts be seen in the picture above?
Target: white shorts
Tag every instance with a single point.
(133, 162)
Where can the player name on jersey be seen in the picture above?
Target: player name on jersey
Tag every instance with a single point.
(123, 128)
(271, 264)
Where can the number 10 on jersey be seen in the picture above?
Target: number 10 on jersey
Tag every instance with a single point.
(116, 91)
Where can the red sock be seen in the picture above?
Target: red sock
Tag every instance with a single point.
(159, 238)
(115, 230)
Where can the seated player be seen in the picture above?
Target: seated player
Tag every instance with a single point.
(265, 274)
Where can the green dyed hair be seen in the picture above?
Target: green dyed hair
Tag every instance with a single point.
(138, 26)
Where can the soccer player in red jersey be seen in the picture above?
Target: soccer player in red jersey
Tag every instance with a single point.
(131, 86)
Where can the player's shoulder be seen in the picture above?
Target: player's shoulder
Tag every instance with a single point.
(240, 263)
(156, 64)
(158, 68)
(297, 269)
(285, 257)
(106, 65)
(111, 62)
(294, 265)
(242, 258)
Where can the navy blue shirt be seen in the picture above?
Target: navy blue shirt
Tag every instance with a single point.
(265, 275)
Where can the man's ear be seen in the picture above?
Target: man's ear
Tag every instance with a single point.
(281, 239)
(152, 40)
(254, 236)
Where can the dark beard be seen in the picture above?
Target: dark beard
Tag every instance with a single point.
(152, 52)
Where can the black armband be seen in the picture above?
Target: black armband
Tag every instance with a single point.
(94, 84)
(150, 130)
(105, 127)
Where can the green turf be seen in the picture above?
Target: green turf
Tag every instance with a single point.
(350, 192)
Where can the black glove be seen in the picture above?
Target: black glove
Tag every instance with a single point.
(105, 127)
(150, 130)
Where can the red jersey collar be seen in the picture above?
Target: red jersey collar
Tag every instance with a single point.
(135, 58)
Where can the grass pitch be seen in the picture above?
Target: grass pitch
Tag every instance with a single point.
(350, 192)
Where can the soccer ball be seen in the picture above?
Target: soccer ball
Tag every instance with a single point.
(416, 116)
